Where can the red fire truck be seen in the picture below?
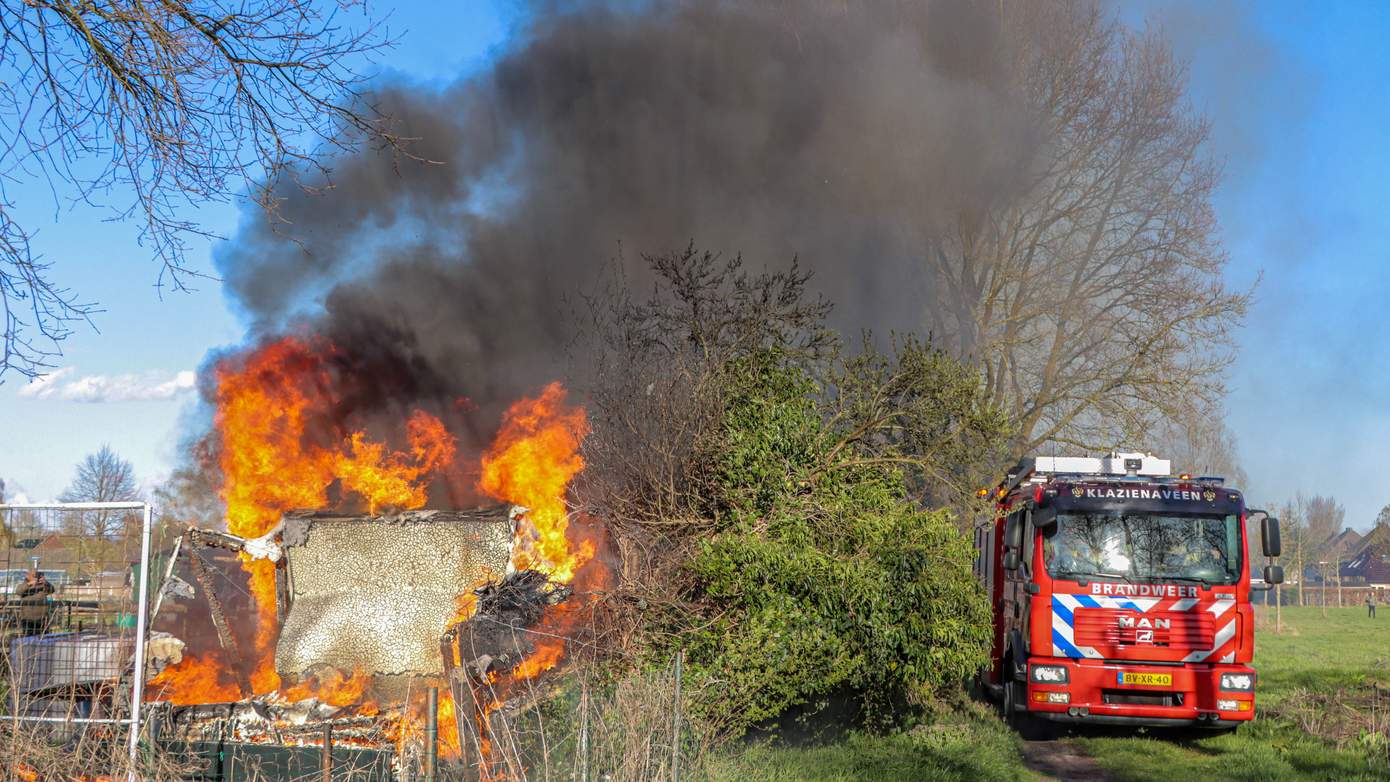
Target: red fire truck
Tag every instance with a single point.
(1121, 595)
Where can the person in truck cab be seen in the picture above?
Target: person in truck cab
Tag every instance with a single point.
(1068, 554)
(1205, 559)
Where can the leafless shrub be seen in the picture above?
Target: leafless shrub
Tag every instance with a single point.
(584, 725)
(655, 403)
(36, 751)
(1349, 716)
(655, 400)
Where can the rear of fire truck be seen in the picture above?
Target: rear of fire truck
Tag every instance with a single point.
(1121, 594)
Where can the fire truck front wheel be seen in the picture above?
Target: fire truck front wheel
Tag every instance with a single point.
(1014, 705)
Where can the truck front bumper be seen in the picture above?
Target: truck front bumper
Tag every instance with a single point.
(1125, 693)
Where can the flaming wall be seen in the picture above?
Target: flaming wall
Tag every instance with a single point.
(374, 594)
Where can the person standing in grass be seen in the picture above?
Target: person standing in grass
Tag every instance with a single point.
(1371, 603)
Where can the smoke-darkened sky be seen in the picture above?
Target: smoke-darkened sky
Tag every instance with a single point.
(1294, 94)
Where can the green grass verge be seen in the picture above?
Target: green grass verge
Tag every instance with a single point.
(1313, 653)
(967, 744)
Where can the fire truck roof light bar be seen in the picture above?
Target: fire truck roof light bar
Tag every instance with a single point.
(1111, 464)
(1133, 466)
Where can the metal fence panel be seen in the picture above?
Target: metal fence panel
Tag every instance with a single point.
(74, 613)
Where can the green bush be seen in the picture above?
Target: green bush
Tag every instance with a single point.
(824, 575)
(778, 501)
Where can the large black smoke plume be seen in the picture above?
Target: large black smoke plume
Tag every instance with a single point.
(840, 133)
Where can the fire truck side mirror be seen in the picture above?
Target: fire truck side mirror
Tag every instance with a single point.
(1274, 574)
(1011, 560)
(1269, 536)
(1013, 540)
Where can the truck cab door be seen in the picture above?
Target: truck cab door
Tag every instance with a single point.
(1013, 607)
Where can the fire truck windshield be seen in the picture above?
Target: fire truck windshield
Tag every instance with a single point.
(1144, 547)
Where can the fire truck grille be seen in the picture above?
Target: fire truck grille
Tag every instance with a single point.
(1131, 698)
(1103, 627)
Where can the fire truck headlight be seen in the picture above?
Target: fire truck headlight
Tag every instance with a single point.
(1237, 682)
(1048, 674)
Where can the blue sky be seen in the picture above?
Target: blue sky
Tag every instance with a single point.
(1297, 97)
(142, 339)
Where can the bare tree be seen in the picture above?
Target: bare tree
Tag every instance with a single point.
(102, 477)
(16, 525)
(13, 524)
(1093, 300)
(6, 520)
(1324, 517)
(1294, 532)
(1383, 517)
(1307, 525)
(168, 105)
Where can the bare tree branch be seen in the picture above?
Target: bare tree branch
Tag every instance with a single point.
(160, 107)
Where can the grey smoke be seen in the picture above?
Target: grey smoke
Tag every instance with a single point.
(840, 133)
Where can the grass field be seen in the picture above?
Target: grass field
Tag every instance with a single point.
(969, 744)
(1315, 681)
(1338, 659)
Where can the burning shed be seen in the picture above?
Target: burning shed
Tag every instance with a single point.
(331, 619)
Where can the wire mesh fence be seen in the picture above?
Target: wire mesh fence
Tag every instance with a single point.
(579, 723)
(73, 610)
(579, 727)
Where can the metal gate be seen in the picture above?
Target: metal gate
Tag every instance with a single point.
(74, 613)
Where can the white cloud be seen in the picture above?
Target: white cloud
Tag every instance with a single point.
(43, 386)
(129, 387)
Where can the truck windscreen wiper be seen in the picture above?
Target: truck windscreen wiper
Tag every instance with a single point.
(1092, 574)
(1189, 579)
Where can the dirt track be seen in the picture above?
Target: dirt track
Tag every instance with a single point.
(1061, 760)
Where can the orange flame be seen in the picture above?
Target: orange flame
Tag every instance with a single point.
(465, 605)
(448, 734)
(545, 657)
(331, 687)
(530, 464)
(280, 450)
(195, 680)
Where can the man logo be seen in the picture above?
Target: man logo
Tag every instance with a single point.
(1077, 491)
(1209, 496)
(1144, 623)
(1144, 637)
